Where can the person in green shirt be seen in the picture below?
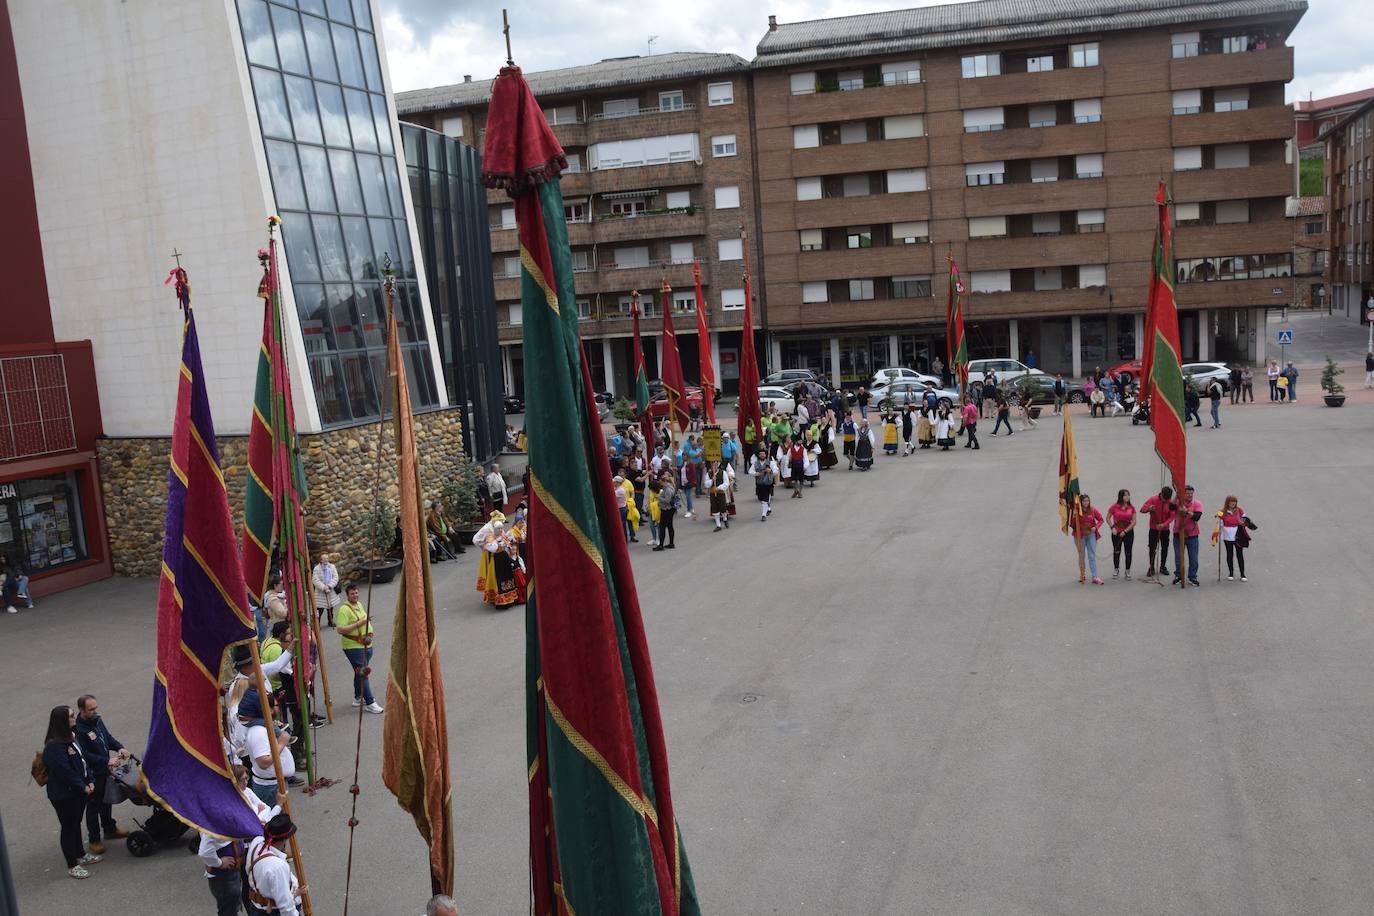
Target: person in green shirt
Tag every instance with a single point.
(355, 634)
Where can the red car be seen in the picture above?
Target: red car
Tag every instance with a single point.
(658, 407)
(1132, 369)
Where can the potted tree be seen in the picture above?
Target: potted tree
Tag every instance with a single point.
(379, 533)
(459, 494)
(1335, 391)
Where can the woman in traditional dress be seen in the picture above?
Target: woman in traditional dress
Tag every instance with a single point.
(908, 429)
(925, 431)
(495, 571)
(944, 428)
(827, 439)
(850, 433)
(811, 467)
(863, 447)
(889, 432)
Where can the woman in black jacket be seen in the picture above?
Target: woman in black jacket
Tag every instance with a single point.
(69, 786)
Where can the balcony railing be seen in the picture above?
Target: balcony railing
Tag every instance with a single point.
(658, 109)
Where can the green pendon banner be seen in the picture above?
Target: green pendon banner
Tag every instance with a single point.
(1162, 371)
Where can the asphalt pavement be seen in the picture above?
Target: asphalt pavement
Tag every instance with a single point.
(892, 698)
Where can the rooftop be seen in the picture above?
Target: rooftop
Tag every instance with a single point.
(1311, 206)
(988, 21)
(1334, 101)
(605, 74)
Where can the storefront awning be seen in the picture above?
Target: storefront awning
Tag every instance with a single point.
(623, 195)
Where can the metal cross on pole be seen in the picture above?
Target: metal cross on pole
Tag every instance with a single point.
(177, 255)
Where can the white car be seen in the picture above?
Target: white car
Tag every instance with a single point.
(1004, 369)
(909, 391)
(884, 376)
(780, 398)
(1201, 375)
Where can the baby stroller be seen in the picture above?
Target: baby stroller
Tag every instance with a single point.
(159, 828)
(1140, 413)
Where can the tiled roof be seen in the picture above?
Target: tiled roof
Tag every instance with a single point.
(988, 21)
(616, 71)
(1311, 206)
(1334, 101)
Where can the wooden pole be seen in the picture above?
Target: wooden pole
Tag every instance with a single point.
(271, 726)
(324, 671)
(1078, 545)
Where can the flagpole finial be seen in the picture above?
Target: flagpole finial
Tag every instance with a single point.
(505, 27)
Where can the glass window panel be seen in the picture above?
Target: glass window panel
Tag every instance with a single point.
(300, 247)
(393, 186)
(362, 263)
(403, 245)
(383, 122)
(346, 181)
(406, 315)
(271, 103)
(372, 314)
(333, 116)
(383, 379)
(329, 242)
(312, 6)
(329, 389)
(361, 14)
(343, 316)
(320, 49)
(290, 42)
(360, 120)
(341, 10)
(374, 187)
(300, 97)
(286, 175)
(371, 68)
(319, 187)
(257, 33)
(316, 332)
(361, 388)
(384, 242)
(420, 375)
(346, 50)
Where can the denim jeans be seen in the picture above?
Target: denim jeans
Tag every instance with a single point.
(1216, 413)
(360, 659)
(687, 496)
(1090, 552)
(1191, 545)
(625, 522)
(228, 893)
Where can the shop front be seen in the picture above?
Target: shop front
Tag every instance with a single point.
(51, 525)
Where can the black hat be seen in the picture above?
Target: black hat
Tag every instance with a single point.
(242, 656)
(279, 828)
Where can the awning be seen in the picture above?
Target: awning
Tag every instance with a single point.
(622, 195)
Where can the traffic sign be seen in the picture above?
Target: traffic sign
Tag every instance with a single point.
(1285, 336)
(1369, 315)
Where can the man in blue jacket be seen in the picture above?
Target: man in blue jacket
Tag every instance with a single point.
(101, 751)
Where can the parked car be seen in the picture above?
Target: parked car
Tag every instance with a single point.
(1201, 375)
(658, 404)
(903, 391)
(1004, 369)
(1044, 389)
(781, 398)
(786, 378)
(513, 404)
(901, 373)
(1132, 368)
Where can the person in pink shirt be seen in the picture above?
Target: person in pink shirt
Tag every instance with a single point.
(971, 426)
(1085, 528)
(1159, 510)
(1121, 520)
(1187, 512)
(1233, 526)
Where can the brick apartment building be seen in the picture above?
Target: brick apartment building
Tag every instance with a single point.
(661, 172)
(1350, 213)
(1314, 117)
(1310, 244)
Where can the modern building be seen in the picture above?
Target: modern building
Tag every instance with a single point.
(1314, 117)
(661, 166)
(1350, 211)
(156, 131)
(1024, 138)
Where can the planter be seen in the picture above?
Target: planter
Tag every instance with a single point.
(1035, 413)
(381, 571)
(1334, 400)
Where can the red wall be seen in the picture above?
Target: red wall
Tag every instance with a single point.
(27, 316)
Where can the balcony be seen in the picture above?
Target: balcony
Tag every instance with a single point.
(646, 279)
(1036, 303)
(1037, 251)
(650, 225)
(872, 102)
(508, 288)
(1036, 197)
(1024, 142)
(1272, 65)
(1031, 88)
(639, 177)
(1269, 122)
(647, 122)
(883, 261)
(873, 156)
(1273, 235)
(848, 315)
(574, 184)
(508, 239)
(1273, 180)
(1235, 293)
(574, 133)
(855, 211)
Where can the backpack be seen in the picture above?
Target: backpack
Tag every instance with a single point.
(38, 769)
(766, 478)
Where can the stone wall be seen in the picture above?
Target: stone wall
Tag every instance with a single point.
(340, 468)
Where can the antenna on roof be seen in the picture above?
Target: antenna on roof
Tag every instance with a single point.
(652, 39)
(505, 27)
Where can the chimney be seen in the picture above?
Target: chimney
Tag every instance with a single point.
(772, 23)
(467, 77)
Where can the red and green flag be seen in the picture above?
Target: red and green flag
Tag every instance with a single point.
(704, 360)
(956, 344)
(747, 412)
(1162, 370)
(603, 835)
(674, 383)
(646, 425)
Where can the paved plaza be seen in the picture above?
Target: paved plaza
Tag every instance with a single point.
(892, 698)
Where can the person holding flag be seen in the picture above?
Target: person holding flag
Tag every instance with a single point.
(956, 343)
(1086, 524)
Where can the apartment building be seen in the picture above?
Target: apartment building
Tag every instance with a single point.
(660, 173)
(1310, 244)
(1350, 219)
(1024, 138)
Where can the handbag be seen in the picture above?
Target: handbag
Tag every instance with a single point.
(1242, 537)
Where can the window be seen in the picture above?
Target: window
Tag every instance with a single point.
(566, 114)
(898, 127)
(1043, 115)
(982, 173)
(452, 127)
(1187, 101)
(808, 189)
(627, 302)
(911, 233)
(629, 206)
(977, 120)
(1231, 156)
(849, 80)
(720, 94)
(681, 252)
(1187, 158)
(510, 267)
(670, 101)
(910, 287)
(619, 108)
(1235, 99)
(677, 200)
(1084, 55)
(1313, 227)
(806, 136)
(1049, 278)
(816, 291)
(581, 261)
(857, 185)
(573, 211)
(859, 237)
(1232, 211)
(902, 72)
(811, 239)
(1185, 44)
(685, 302)
(1187, 214)
(1045, 224)
(1044, 170)
(987, 227)
(1087, 165)
(1041, 64)
(584, 309)
(514, 313)
(990, 281)
(723, 145)
(900, 180)
(727, 197)
(976, 65)
(860, 290)
(1086, 111)
(1092, 220)
(574, 162)
(803, 83)
(617, 154)
(732, 298)
(507, 217)
(631, 257)
(1235, 44)
(731, 249)
(1092, 275)
(854, 132)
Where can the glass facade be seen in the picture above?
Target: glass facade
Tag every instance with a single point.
(322, 108)
(451, 216)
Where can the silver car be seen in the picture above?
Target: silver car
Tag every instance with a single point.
(1201, 375)
(904, 392)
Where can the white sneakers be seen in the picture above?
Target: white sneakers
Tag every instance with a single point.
(373, 707)
(90, 859)
(357, 701)
(11, 610)
(76, 871)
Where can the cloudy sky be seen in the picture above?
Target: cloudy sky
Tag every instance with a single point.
(435, 42)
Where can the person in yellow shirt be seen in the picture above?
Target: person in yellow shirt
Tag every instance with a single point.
(355, 634)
